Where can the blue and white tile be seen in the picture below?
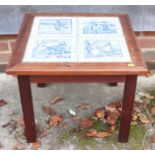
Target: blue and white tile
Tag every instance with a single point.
(102, 50)
(98, 25)
(51, 50)
(54, 26)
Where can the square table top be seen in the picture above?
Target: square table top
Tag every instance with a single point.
(76, 44)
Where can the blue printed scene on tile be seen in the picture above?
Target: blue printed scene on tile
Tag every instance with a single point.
(52, 49)
(102, 48)
(99, 27)
(55, 26)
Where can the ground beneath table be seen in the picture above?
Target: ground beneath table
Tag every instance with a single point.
(60, 137)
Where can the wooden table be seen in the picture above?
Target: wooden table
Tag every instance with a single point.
(76, 69)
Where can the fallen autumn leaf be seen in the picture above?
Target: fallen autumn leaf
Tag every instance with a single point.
(56, 99)
(153, 138)
(150, 73)
(112, 117)
(66, 126)
(21, 121)
(36, 145)
(86, 123)
(18, 147)
(91, 133)
(110, 109)
(133, 123)
(103, 134)
(83, 106)
(100, 113)
(153, 110)
(94, 133)
(134, 117)
(149, 97)
(144, 120)
(12, 125)
(2, 102)
(117, 104)
(55, 120)
(112, 128)
(48, 110)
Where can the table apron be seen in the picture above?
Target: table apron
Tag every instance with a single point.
(77, 78)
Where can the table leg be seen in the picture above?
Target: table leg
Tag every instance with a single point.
(113, 84)
(127, 107)
(41, 85)
(27, 107)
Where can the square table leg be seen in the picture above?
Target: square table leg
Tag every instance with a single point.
(27, 107)
(113, 84)
(127, 107)
(41, 85)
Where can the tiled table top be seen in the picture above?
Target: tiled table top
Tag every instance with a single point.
(76, 39)
(76, 44)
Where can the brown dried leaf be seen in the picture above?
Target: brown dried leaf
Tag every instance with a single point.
(137, 110)
(56, 99)
(137, 104)
(112, 117)
(36, 145)
(103, 134)
(66, 126)
(110, 109)
(86, 123)
(76, 118)
(112, 128)
(48, 110)
(100, 113)
(94, 133)
(94, 118)
(83, 106)
(134, 117)
(153, 138)
(153, 110)
(55, 120)
(140, 104)
(18, 147)
(12, 125)
(115, 104)
(133, 123)
(6, 125)
(21, 121)
(110, 121)
(2, 102)
(150, 73)
(12, 113)
(144, 120)
(149, 97)
(120, 109)
(91, 133)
